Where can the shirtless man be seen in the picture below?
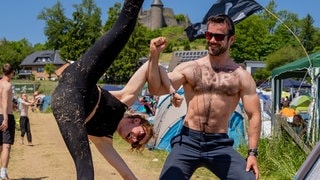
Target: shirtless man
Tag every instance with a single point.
(24, 118)
(7, 127)
(213, 86)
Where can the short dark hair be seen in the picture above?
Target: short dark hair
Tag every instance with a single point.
(223, 19)
(7, 69)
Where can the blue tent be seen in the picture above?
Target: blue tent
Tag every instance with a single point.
(287, 83)
(111, 87)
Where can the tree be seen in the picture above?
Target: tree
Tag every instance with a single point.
(284, 36)
(316, 38)
(72, 37)
(253, 41)
(56, 27)
(84, 31)
(113, 14)
(49, 69)
(307, 33)
(268, 18)
(127, 61)
(14, 52)
(283, 56)
(137, 46)
(180, 18)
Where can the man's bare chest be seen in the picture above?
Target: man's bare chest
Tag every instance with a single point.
(225, 81)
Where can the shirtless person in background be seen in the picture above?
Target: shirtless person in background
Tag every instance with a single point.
(213, 86)
(7, 122)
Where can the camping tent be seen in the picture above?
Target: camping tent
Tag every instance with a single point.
(287, 83)
(307, 66)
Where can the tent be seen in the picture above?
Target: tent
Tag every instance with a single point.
(306, 66)
(111, 87)
(168, 122)
(301, 103)
(287, 83)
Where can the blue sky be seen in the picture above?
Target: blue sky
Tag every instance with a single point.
(18, 18)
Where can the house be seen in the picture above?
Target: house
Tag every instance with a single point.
(253, 66)
(34, 64)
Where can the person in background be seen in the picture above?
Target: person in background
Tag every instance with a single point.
(7, 121)
(287, 111)
(38, 98)
(299, 125)
(24, 119)
(146, 102)
(213, 86)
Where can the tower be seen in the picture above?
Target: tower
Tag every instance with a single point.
(157, 14)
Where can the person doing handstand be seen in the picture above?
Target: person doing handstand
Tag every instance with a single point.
(84, 110)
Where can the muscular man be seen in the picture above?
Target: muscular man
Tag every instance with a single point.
(213, 86)
(7, 127)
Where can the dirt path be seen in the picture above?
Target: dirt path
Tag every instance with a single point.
(48, 158)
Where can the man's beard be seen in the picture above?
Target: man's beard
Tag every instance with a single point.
(218, 50)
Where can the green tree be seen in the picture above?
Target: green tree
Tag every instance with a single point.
(14, 52)
(127, 62)
(49, 69)
(283, 56)
(307, 33)
(285, 36)
(268, 16)
(261, 74)
(253, 41)
(72, 36)
(316, 40)
(57, 25)
(180, 18)
(84, 31)
(113, 14)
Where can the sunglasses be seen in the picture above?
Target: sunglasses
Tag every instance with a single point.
(139, 138)
(217, 37)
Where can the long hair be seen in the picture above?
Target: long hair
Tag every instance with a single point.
(145, 124)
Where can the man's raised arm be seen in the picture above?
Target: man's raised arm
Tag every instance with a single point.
(155, 81)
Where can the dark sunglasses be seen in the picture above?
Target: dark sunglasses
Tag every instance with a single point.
(139, 138)
(217, 37)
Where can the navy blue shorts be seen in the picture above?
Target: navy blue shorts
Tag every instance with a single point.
(193, 149)
(7, 137)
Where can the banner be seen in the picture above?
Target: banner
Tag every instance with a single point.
(236, 9)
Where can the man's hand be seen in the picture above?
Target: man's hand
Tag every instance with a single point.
(4, 125)
(176, 100)
(252, 164)
(157, 45)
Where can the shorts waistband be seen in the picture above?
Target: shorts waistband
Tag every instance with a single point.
(195, 133)
(10, 116)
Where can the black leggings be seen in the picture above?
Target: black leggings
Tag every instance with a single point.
(78, 82)
(25, 128)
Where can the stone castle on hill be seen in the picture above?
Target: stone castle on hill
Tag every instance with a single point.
(159, 16)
